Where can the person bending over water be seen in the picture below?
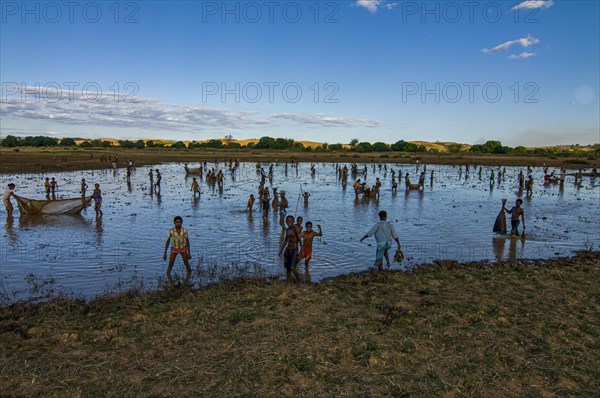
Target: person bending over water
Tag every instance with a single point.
(180, 244)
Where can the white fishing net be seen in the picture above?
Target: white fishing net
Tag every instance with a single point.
(60, 206)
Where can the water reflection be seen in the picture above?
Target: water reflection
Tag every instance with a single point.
(452, 221)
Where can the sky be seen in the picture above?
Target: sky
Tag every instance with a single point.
(525, 73)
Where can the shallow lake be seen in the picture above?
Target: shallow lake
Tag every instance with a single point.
(450, 219)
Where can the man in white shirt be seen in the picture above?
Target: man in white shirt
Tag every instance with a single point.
(10, 191)
(384, 235)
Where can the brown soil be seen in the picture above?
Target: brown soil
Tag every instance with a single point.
(526, 329)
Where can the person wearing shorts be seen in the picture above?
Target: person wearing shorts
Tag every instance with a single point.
(158, 178)
(384, 234)
(516, 212)
(180, 244)
(97, 197)
(283, 205)
(307, 241)
(290, 245)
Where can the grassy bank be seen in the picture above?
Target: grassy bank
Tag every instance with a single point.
(509, 330)
(66, 159)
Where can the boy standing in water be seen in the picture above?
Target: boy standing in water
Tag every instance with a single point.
(250, 203)
(265, 202)
(10, 191)
(151, 179)
(84, 187)
(47, 186)
(307, 242)
(195, 187)
(298, 224)
(97, 196)
(53, 185)
(158, 178)
(283, 205)
(515, 213)
(306, 195)
(180, 244)
(290, 244)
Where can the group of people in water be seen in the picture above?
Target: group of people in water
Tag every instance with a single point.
(297, 237)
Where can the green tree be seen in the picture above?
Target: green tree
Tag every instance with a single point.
(126, 144)
(364, 147)
(10, 141)
(265, 143)
(380, 147)
(150, 144)
(67, 142)
(140, 144)
(454, 148)
(178, 145)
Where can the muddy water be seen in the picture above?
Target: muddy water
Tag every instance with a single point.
(450, 219)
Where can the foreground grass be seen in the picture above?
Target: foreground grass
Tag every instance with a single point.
(444, 330)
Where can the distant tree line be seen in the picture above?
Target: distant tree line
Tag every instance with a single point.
(286, 144)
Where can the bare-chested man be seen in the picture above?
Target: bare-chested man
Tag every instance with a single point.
(515, 213)
(283, 205)
(290, 244)
(307, 241)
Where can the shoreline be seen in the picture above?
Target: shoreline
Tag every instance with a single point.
(525, 328)
(435, 266)
(32, 160)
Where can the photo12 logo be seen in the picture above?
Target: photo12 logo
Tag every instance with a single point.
(471, 92)
(468, 11)
(51, 92)
(253, 92)
(68, 11)
(270, 11)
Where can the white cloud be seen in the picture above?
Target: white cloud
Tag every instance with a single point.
(391, 6)
(523, 55)
(534, 4)
(523, 42)
(371, 5)
(51, 105)
(322, 120)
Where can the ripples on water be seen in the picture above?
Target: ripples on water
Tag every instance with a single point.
(451, 219)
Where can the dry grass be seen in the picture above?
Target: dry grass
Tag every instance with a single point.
(68, 159)
(508, 330)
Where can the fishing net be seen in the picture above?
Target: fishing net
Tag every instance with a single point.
(500, 224)
(192, 170)
(61, 206)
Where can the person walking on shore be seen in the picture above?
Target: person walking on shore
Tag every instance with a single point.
(384, 235)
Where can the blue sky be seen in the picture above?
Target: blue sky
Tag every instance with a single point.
(525, 73)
